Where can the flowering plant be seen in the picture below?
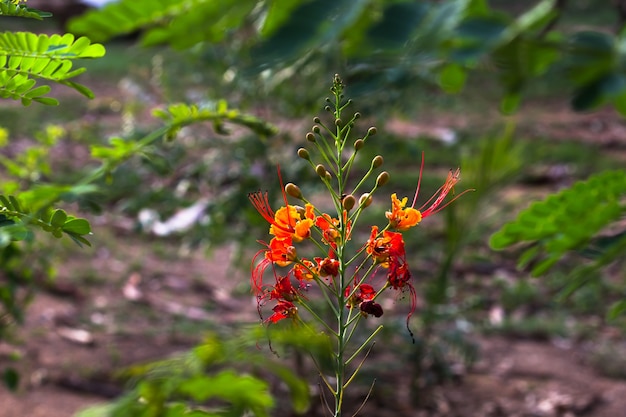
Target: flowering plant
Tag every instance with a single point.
(350, 282)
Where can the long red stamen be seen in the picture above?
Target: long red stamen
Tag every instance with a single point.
(419, 182)
(261, 203)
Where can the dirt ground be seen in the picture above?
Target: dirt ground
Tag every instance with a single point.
(75, 337)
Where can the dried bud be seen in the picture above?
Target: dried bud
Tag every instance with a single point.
(382, 179)
(365, 200)
(358, 144)
(320, 170)
(348, 202)
(371, 131)
(293, 190)
(377, 161)
(304, 154)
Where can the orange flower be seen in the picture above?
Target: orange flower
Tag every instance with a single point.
(294, 222)
(401, 218)
(385, 248)
(330, 228)
(288, 221)
(305, 271)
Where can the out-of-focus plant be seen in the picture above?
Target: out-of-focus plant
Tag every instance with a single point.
(384, 43)
(26, 58)
(220, 377)
(348, 277)
(495, 161)
(584, 220)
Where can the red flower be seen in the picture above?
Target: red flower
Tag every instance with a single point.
(363, 297)
(284, 290)
(385, 248)
(279, 252)
(283, 310)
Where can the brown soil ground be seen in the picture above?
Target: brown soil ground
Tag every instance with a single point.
(133, 319)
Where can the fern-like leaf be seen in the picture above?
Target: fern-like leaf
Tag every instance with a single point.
(10, 8)
(16, 220)
(566, 221)
(180, 115)
(27, 57)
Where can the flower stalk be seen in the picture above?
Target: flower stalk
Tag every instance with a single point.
(346, 278)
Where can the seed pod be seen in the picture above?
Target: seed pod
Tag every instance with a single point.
(348, 202)
(365, 200)
(377, 161)
(320, 170)
(304, 154)
(382, 179)
(293, 190)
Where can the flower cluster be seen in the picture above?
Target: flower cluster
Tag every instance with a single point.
(291, 224)
(350, 276)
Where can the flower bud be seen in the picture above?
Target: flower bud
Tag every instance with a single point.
(348, 202)
(338, 122)
(304, 154)
(328, 109)
(358, 144)
(293, 190)
(365, 200)
(357, 115)
(317, 120)
(328, 176)
(382, 179)
(310, 137)
(316, 129)
(377, 161)
(320, 170)
(371, 131)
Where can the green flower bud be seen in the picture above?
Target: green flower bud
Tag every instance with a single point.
(377, 161)
(328, 176)
(365, 200)
(293, 190)
(358, 144)
(372, 131)
(316, 129)
(348, 202)
(310, 137)
(382, 179)
(320, 170)
(357, 115)
(338, 122)
(304, 154)
(317, 120)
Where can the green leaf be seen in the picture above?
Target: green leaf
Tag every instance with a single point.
(11, 378)
(452, 78)
(58, 218)
(77, 226)
(617, 309)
